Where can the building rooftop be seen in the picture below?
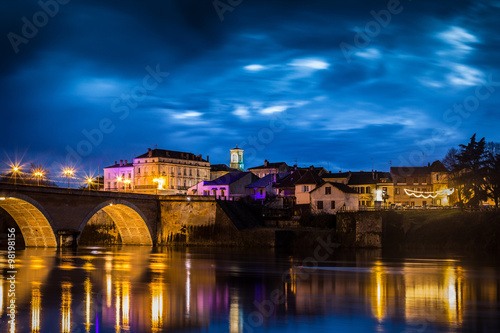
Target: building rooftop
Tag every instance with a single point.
(222, 167)
(310, 177)
(268, 165)
(268, 179)
(290, 180)
(120, 165)
(228, 178)
(172, 154)
(344, 188)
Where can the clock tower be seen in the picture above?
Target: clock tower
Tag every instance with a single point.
(237, 159)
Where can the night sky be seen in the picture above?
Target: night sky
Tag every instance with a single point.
(339, 84)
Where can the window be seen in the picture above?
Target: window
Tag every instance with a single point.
(129, 175)
(222, 192)
(328, 190)
(368, 189)
(332, 205)
(424, 203)
(319, 204)
(362, 190)
(437, 178)
(206, 192)
(138, 170)
(305, 188)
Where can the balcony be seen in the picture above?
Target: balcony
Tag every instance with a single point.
(145, 187)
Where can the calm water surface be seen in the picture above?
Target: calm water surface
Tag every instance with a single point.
(134, 289)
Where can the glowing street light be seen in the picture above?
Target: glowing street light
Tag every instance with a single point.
(15, 171)
(160, 182)
(127, 183)
(38, 174)
(68, 173)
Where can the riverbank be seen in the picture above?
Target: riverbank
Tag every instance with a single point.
(442, 229)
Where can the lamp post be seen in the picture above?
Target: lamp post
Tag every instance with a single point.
(89, 182)
(38, 175)
(119, 180)
(127, 183)
(15, 170)
(68, 173)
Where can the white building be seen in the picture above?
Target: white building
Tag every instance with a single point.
(119, 177)
(331, 197)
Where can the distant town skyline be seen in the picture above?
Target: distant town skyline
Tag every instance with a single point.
(345, 86)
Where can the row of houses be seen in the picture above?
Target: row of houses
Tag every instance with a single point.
(171, 172)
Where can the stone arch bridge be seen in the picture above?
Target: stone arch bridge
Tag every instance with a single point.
(52, 217)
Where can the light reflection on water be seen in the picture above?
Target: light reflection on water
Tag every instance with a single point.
(144, 290)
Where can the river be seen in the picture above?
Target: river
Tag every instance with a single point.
(142, 289)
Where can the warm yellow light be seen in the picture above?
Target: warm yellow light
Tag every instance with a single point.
(15, 169)
(119, 179)
(2, 198)
(89, 180)
(68, 172)
(127, 181)
(38, 174)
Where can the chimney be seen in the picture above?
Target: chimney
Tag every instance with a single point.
(121, 162)
(126, 162)
(373, 175)
(266, 163)
(208, 158)
(340, 171)
(116, 162)
(150, 152)
(429, 164)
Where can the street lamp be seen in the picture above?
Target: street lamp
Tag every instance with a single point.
(68, 173)
(119, 180)
(89, 182)
(127, 183)
(38, 174)
(15, 170)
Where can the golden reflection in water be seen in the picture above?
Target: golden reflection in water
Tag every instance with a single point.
(88, 301)
(379, 292)
(156, 305)
(1, 296)
(235, 315)
(126, 304)
(437, 294)
(35, 308)
(118, 307)
(66, 308)
(108, 266)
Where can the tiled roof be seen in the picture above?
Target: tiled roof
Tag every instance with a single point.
(222, 167)
(275, 165)
(409, 171)
(335, 175)
(290, 180)
(310, 177)
(172, 154)
(266, 180)
(437, 166)
(362, 178)
(120, 166)
(344, 188)
(228, 178)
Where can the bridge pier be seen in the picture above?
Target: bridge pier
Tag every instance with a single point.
(67, 238)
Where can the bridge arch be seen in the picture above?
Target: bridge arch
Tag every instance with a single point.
(35, 223)
(131, 223)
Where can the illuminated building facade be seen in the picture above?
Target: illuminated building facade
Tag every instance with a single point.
(158, 171)
(169, 172)
(332, 197)
(119, 177)
(421, 186)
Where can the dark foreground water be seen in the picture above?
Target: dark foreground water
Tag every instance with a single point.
(198, 290)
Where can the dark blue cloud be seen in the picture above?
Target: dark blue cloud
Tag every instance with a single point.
(271, 76)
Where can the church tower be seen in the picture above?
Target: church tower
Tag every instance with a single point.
(237, 159)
